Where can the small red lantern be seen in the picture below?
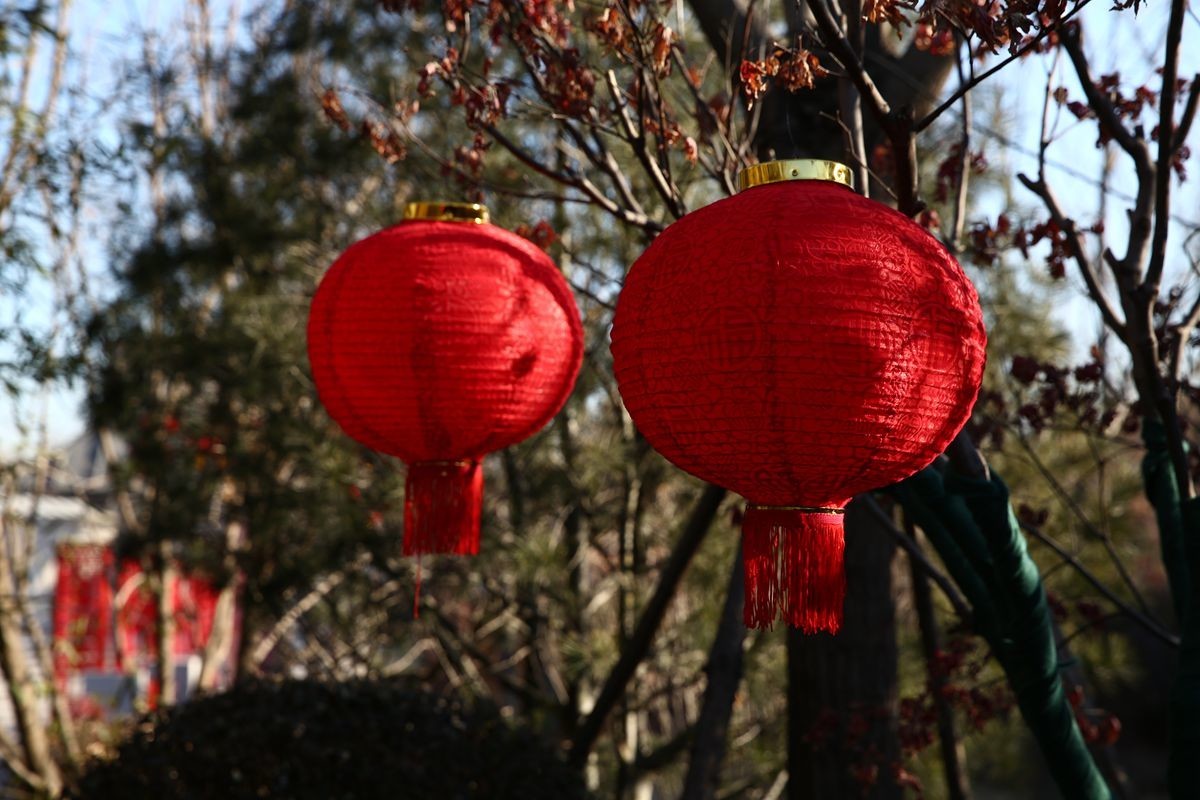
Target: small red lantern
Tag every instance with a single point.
(438, 340)
(798, 344)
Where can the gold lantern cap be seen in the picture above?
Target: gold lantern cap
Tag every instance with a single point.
(440, 211)
(794, 169)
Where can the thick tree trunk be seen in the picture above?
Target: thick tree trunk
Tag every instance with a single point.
(167, 575)
(842, 689)
(220, 652)
(724, 672)
(20, 679)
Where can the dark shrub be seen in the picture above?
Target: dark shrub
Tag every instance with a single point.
(303, 739)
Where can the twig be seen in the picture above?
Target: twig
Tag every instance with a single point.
(929, 118)
(724, 672)
(321, 588)
(1100, 104)
(638, 647)
(637, 140)
(1189, 113)
(951, 747)
(1065, 497)
(10, 757)
(962, 609)
(840, 48)
(573, 180)
(1146, 622)
(964, 163)
(1183, 333)
(1075, 241)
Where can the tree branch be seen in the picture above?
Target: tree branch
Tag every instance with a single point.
(1152, 627)
(962, 608)
(1189, 113)
(1098, 102)
(963, 89)
(840, 48)
(638, 646)
(1075, 239)
(637, 140)
(321, 588)
(1166, 148)
(953, 754)
(728, 28)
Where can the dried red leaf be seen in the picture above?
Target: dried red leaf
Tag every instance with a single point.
(332, 106)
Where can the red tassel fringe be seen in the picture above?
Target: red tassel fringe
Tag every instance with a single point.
(793, 567)
(442, 501)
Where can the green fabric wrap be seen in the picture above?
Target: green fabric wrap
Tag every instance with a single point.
(1179, 539)
(971, 524)
(1158, 479)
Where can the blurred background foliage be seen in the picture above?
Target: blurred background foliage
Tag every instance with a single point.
(247, 189)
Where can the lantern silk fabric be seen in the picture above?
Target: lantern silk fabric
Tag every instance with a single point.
(798, 344)
(438, 342)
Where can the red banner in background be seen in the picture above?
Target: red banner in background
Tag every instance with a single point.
(90, 618)
(137, 637)
(195, 602)
(83, 605)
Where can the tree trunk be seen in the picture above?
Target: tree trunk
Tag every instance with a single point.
(842, 689)
(954, 756)
(220, 652)
(20, 680)
(724, 672)
(167, 574)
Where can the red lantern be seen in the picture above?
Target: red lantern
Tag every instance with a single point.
(439, 340)
(798, 344)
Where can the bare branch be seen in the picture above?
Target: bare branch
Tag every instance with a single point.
(949, 102)
(701, 518)
(574, 181)
(962, 608)
(1095, 532)
(728, 27)
(1150, 625)
(305, 604)
(964, 163)
(19, 678)
(1075, 241)
(1183, 333)
(724, 673)
(1097, 101)
(1189, 114)
(1166, 148)
(637, 140)
(840, 48)
(10, 757)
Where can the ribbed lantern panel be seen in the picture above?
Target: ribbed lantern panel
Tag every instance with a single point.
(443, 340)
(798, 344)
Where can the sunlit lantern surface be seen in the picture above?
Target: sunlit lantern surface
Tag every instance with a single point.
(798, 344)
(439, 340)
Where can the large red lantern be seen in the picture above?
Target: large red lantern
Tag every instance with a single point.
(798, 344)
(438, 340)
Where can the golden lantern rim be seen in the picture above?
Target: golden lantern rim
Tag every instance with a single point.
(442, 211)
(795, 169)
